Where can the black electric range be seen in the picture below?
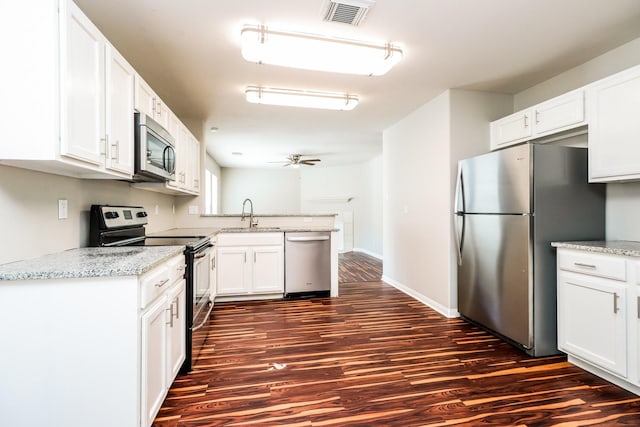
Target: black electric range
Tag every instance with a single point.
(114, 226)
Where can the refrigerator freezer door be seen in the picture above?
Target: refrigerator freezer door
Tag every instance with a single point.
(498, 182)
(494, 282)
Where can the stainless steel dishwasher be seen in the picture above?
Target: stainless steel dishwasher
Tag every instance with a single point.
(307, 263)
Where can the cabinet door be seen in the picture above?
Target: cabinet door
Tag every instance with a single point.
(154, 360)
(614, 128)
(592, 321)
(511, 129)
(145, 97)
(162, 113)
(268, 269)
(559, 114)
(232, 269)
(82, 51)
(176, 331)
(193, 171)
(119, 119)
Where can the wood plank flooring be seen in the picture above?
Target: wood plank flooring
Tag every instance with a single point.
(358, 267)
(376, 357)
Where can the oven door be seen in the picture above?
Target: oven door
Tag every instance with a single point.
(202, 304)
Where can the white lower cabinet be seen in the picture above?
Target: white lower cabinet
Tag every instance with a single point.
(249, 264)
(154, 360)
(598, 314)
(592, 321)
(162, 329)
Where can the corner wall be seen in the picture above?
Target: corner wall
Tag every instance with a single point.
(420, 157)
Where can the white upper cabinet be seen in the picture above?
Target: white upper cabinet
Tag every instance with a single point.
(120, 100)
(82, 69)
(149, 103)
(555, 115)
(511, 129)
(63, 73)
(614, 127)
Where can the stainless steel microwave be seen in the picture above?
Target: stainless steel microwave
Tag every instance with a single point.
(155, 154)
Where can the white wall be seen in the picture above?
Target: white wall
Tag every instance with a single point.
(615, 60)
(420, 155)
(29, 223)
(325, 189)
(416, 201)
(623, 200)
(271, 191)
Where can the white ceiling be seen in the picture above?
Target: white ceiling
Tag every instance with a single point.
(188, 50)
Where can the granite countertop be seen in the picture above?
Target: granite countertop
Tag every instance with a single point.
(274, 229)
(185, 232)
(90, 262)
(255, 215)
(614, 247)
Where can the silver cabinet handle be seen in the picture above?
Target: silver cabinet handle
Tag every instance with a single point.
(638, 310)
(526, 122)
(615, 302)
(115, 146)
(177, 301)
(537, 116)
(170, 310)
(162, 283)
(579, 264)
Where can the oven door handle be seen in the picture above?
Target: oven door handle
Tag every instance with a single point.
(206, 318)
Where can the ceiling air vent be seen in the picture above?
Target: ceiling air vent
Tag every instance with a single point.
(350, 12)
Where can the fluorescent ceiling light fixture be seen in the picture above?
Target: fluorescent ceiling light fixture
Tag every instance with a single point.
(301, 98)
(316, 52)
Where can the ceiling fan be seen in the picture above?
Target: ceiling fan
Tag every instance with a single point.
(295, 160)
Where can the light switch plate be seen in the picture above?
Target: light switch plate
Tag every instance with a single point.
(194, 210)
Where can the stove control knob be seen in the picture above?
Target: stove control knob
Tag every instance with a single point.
(111, 215)
(141, 214)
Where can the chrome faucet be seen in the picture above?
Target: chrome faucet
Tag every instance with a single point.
(252, 222)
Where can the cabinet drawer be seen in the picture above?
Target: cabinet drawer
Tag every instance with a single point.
(177, 268)
(593, 264)
(153, 284)
(250, 239)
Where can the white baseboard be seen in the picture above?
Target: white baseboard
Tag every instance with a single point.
(445, 311)
(368, 252)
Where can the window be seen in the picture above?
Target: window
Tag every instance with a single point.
(211, 193)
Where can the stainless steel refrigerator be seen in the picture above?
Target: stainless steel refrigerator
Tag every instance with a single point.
(509, 205)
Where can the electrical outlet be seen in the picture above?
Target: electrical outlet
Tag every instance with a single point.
(63, 209)
(194, 210)
(157, 209)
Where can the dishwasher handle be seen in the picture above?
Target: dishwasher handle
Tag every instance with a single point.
(307, 238)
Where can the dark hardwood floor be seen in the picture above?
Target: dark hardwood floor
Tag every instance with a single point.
(358, 267)
(376, 357)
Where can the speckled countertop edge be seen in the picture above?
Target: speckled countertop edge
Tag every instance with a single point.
(613, 247)
(268, 215)
(90, 262)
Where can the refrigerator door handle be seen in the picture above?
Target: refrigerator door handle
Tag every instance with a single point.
(459, 197)
(459, 193)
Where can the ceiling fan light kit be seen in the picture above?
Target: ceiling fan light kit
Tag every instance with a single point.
(317, 52)
(300, 98)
